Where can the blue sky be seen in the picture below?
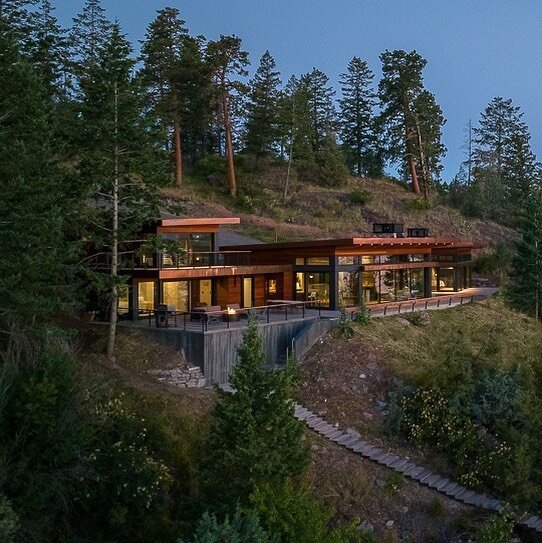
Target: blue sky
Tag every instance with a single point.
(475, 49)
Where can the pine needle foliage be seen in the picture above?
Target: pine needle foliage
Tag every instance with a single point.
(255, 438)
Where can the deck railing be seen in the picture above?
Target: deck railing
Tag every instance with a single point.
(212, 320)
(132, 260)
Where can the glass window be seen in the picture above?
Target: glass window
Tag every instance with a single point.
(348, 289)
(445, 279)
(318, 287)
(318, 260)
(247, 292)
(123, 299)
(145, 295)
(299, 261)
(417, 283)
(416, 257)
(271, 286)
(175, 295)
(300, 287)
(201, 246)
(369, 281)
(367, 259)
(347, 260)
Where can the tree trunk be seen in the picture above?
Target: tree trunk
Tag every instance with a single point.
(113, 313)
(232, 180)
(177, 141)
(408, 146)
(423, 162)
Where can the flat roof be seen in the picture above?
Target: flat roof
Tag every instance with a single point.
(435, 242)
(203, 221)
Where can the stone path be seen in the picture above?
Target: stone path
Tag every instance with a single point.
(353, 442)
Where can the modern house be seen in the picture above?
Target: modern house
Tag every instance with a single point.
(215, 269)
(202, 275)
(388, 266)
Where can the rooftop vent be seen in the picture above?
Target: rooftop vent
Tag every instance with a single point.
(388, 230)
(417, 232)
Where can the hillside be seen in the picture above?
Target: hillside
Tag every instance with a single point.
(356, 382)
(314, 211)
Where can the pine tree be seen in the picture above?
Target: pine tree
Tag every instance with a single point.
(502, 152)
(228, 61)
(16, 19)
(48, 53)
(410, 116)
(333, 171)
(320, 98)
(524, 290)
(37, 262)
(118, 163)
(88, 35)
(254, 438)
(161, 54)
(195, 99)
(356, 119)
(262, 109)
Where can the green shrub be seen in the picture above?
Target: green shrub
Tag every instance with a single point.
(361, 197)
(499, 529)
(419, 204)
(345, 326)
(394, 483)
(241, 528)
(9, 521)
(294, 516)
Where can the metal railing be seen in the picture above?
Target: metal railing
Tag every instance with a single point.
(211, 320)
(132, 260)
(421, 304)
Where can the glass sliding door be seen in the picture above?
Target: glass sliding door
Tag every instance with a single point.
(318, 288)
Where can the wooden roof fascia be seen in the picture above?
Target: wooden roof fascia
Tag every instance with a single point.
(199, 221)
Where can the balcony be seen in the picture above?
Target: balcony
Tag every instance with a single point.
(132, 260)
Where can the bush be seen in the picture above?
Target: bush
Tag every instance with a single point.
(242, 528)
(419, 204)
(499, 529)
(9, 521)
(361, 197)
(294, 516)
(345, 326)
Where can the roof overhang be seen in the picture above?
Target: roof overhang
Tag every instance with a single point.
(193, 221)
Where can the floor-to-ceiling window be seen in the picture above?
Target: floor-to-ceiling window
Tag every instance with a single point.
(369, 282)
(348, 288)
(317, 284)
(145, 295)
(247, 292)
(176, 295)
(445, 279)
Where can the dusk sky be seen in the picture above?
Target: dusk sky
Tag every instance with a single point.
(475, 49)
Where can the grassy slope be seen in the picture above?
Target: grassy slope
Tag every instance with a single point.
(343, 379)
(313, 211)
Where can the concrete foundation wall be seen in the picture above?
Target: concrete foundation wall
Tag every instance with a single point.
(215, 351)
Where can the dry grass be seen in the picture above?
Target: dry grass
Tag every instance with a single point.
(313, 211)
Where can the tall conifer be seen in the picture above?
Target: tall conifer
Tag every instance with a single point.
(356, 106)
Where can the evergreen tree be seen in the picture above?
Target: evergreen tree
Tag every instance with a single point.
(228, 61)
(195, 99)
(524, 290)
(49, 53)
(333, 171)
(503, 152)
(320, 98)
(356, 107)
(161, 54)
(255, 438)
(37, 262)
(262, 110)
(16, 19)
(410, 116)
(88, 35)
(119, 164)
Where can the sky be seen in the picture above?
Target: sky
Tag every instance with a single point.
(476, 49)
